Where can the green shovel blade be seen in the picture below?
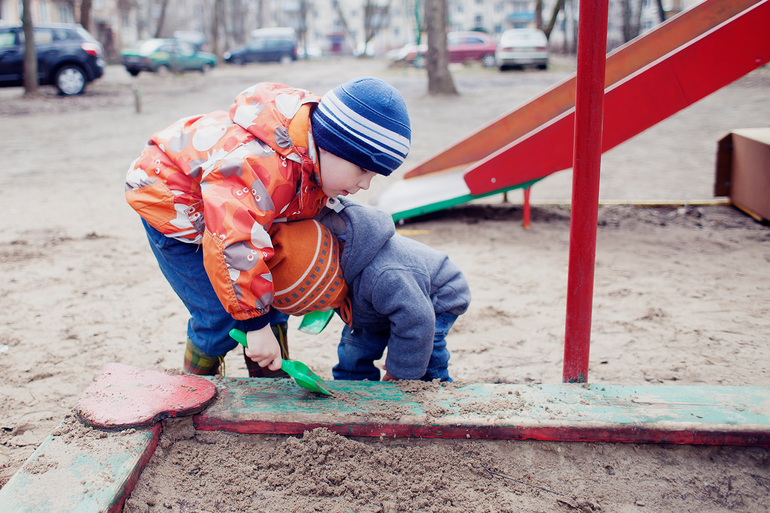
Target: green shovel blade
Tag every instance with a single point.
(315, 322)
(301, 373)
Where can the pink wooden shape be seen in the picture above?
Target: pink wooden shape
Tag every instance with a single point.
(124, 396)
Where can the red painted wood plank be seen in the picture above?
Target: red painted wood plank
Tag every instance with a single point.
(643, 99)
(560, 98)
(125, 396)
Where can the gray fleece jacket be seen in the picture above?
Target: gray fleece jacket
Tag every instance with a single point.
(396, 284)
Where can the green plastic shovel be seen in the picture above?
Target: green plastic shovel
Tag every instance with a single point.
(301, 373)
(315, 322)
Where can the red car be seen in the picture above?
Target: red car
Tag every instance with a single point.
(463, 47)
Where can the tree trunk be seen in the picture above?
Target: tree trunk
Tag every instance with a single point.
(626, 6)
(344, 24)
(661, 11)
(215, 28)
(376, 17)
(439, 79)
(161, 19)
(85, 14)
(539, 14)
(552, 22)
(30, 54)
(566, 25)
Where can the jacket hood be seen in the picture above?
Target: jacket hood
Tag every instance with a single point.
(367, 230)
(267, 111)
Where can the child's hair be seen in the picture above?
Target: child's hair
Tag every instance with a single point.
(306, 269)
(364, 121)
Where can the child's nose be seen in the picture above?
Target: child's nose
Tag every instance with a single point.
(365, 182)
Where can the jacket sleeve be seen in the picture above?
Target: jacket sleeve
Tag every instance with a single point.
(241, 199)
(404, 298)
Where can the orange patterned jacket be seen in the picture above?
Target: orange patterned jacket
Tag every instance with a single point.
(222, 179)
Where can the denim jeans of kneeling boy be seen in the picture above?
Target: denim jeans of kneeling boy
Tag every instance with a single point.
(209, 324)
(359, 349)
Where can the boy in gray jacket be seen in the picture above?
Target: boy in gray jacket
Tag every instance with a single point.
(405, 296)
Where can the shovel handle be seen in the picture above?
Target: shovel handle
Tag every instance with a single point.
(239, 337)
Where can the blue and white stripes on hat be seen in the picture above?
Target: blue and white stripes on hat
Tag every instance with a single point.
(364, 121)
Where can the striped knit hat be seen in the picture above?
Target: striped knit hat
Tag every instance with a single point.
(364, 121)
(306, 269)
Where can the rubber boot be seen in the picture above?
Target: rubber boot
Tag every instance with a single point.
(255, 371)
(198, 362)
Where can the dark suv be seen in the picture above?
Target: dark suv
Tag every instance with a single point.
(264, 50)
(68, 57)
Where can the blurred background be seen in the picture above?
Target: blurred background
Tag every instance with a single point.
(330, 27)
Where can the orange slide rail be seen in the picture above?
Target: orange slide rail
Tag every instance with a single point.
(555, 101)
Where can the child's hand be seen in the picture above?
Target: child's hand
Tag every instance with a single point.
(389, 377)
(263, 348)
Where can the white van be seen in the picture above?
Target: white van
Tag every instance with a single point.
(522, 47)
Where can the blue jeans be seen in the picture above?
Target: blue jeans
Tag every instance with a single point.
(359, 349)
(210, 324)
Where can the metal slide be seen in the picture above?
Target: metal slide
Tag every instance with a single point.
(647, 80)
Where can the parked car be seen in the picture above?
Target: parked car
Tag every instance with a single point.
(68, 57)
(164, 55)
(309, 52)
(264, 50)
(462, 47)
(522, 47)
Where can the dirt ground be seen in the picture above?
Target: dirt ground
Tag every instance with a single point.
(681, 298)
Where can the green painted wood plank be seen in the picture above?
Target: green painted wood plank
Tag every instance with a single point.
(567, 412)
(81, 469)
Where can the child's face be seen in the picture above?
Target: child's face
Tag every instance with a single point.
(340, 177)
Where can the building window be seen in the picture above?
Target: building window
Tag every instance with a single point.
(478, 20)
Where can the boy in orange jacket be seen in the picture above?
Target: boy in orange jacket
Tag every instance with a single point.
(209, 188)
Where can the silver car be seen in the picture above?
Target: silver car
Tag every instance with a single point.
(522, 47)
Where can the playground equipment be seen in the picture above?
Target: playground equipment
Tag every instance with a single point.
(640, 84)
(647, 80)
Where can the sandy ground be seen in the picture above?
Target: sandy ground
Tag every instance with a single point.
(681, 298)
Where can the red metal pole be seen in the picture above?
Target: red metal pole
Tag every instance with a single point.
(589, 110)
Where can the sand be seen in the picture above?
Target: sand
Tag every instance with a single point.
(681, 298)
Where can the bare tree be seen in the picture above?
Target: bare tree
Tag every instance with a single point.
(85, 14)
(218, 6)
(30, 53)
(303, 25)
(552, 22)
(632, 19)
(161, 18)
(376, 17)
(237, 17)
(439, 79)
(343, 22)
